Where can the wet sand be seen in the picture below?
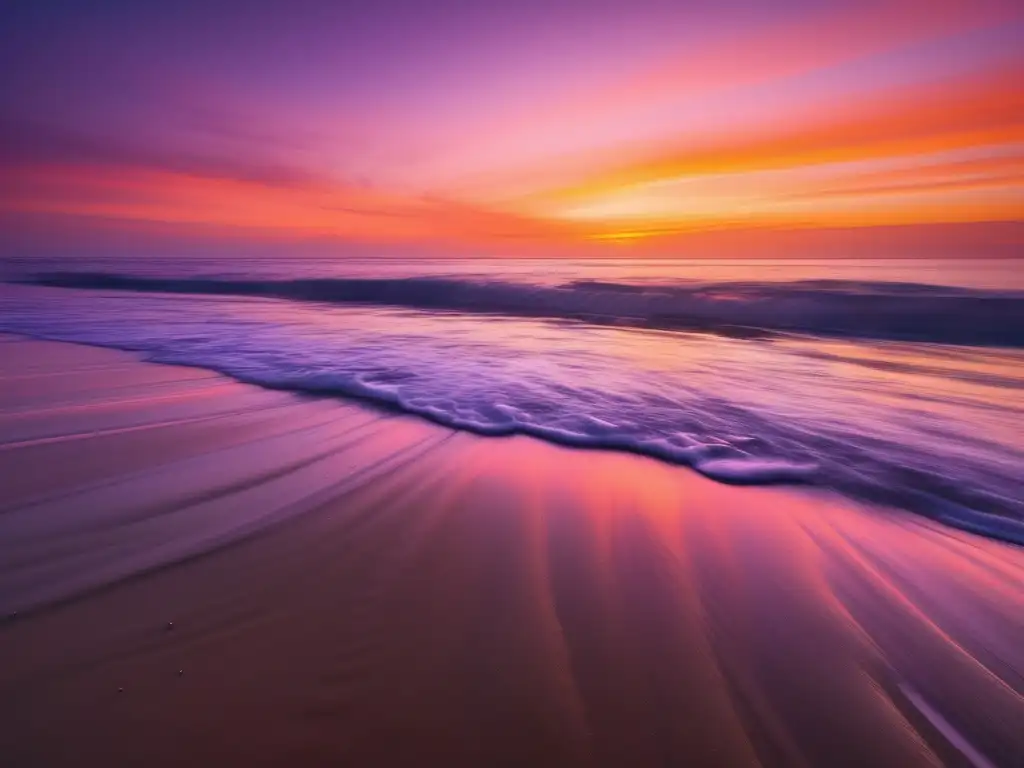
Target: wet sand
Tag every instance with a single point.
(349, 586)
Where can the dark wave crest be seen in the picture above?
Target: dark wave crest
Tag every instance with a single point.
(873, 310)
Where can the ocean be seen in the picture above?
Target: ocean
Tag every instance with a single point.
(897, 382)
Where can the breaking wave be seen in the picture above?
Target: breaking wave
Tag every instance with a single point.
(833, 308)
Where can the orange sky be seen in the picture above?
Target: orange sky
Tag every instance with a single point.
(842, 117)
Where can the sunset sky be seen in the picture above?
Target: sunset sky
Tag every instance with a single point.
(533, 127)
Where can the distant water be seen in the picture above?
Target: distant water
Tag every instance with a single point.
(894, 381)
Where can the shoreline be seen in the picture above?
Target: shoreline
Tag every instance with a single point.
(353, 586)
(788, 474)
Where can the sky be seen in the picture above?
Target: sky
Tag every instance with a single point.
(539, 127)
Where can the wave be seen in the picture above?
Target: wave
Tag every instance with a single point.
(836, 308)
(841, 463)
(936, 434)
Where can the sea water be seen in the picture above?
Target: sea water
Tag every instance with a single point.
(894, 381)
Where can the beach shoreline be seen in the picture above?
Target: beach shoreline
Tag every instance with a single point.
(207, 572)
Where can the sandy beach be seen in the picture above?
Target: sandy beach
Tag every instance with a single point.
(195, 571)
